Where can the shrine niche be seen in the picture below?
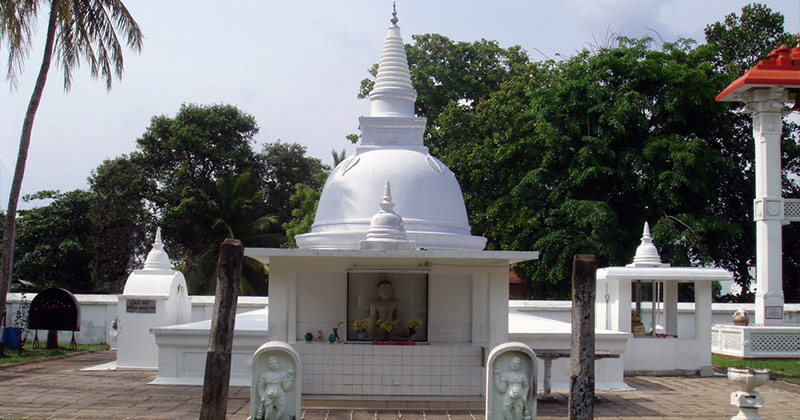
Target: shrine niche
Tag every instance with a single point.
(387, 306)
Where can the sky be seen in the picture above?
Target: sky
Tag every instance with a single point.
(294, 65)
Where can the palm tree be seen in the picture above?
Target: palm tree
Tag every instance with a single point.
(236, 206)
(338, 157)
(77, 30)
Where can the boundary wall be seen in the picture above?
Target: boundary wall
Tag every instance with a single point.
(98, 313)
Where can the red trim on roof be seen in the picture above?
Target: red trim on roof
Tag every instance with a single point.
(781, 68)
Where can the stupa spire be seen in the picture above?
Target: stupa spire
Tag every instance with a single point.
(393, 94)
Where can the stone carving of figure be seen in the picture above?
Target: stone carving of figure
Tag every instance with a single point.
(385, 308)
(514, 386)
(272, 387)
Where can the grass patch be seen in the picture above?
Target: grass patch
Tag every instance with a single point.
(788, 369)
(28, 354)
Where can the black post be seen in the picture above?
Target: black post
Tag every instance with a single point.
(581, 359)
(218, 360)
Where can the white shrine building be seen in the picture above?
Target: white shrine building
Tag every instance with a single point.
(414, 235)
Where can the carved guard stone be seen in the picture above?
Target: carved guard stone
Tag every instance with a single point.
(500, 380)
(286, 378)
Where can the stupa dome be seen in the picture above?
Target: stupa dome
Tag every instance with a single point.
(424, 190)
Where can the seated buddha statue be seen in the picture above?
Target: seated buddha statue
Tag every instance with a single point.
(386, 308)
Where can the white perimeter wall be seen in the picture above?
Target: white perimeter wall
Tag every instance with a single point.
(98, 312)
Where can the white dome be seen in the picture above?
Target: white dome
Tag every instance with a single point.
(424, 190)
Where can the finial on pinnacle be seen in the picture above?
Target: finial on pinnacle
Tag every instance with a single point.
(394, 19)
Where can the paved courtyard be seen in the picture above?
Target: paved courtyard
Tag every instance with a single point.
(59, 389)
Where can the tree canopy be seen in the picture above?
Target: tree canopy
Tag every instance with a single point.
(573, 156)
(78, 31)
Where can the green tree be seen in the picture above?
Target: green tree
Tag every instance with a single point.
(186, 155)
(574, 156)
(338, 157)
(123, 219)
(56, 242)
(235, 207)
(739, 42)
(304, 203)
(76, 30)
(285, 166)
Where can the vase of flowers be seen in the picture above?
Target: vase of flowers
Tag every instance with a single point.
(361, 325)
(413, 325)
(386, 326)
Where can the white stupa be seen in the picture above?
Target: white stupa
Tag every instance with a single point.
(426, 192)
(386, 230)
(153, 297)
(646, 253)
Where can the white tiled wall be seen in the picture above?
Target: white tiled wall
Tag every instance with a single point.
(365, 369)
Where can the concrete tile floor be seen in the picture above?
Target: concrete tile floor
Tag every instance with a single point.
(59, 389)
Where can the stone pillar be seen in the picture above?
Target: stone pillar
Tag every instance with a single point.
(276, 382)
(581, 361)
(766, 105)
(511, 383)
(671, 308)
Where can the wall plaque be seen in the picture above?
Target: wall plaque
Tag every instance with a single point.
(773, 312)
(141, 306)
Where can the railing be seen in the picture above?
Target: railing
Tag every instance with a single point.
(753, 342)
(791, 209)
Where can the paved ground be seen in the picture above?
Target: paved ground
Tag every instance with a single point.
(58, 389)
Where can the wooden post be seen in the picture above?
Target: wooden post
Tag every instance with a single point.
(218, 359)
(581, 359)
(52, 339)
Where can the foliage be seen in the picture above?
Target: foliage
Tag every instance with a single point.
(121, 214)
(29, 355)
(304, 202)
(574, 156)
(235, 206)
(740, 41)
(17, 24)
(285, 166)
(77, 30)
(185, 155)
(197, 176)
(788, 369)
(55, 244)
(338, 157)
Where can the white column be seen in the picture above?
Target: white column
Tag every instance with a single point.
(498, 306)
(702, 324)
(766, 104)
(279, 281)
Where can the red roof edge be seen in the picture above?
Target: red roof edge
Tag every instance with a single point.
(781, 68)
